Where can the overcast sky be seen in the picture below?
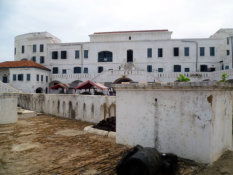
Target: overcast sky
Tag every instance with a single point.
(74, 20)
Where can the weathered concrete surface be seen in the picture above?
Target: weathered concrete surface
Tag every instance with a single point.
(90, 108)
(192, 120)
(22, 113)
(50, 145)
(8, 108)
(90, 129)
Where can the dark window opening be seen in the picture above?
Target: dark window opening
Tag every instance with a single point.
(100, 69)
(42, 78)
(14, 77)
(77, 54)
(160, 69)
(203, 68)
(129, 37)
(47, 79)
(20, 77)
(63, 71)
(177, 68)
(186, 51)
(37, 77)
(228, 52)
(212, 69)
(42, 59)
(34, 58)
(34, 48)
(226, 67)
(4, 79)
(212, 51)
(41, 48)
(22, 49)
(149, 68)
(55, 70)
(54, 55)
(63, 54)
(85, 53)
(77, 70)
(129, 55)
(187, 69)
(28, 77)
(160, 52)
(85, 70)
(149, 52)
(105, 56)
(176, 51)
(39, 90)
(202, 51)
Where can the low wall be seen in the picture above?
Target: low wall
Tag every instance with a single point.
(8, 108)
(90, 108)
(191, 120)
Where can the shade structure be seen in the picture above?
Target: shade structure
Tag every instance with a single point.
(60, 85)
(88, 84)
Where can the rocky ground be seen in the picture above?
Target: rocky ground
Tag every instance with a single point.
(51, 145)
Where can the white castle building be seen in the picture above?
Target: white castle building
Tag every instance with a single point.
(139, 56)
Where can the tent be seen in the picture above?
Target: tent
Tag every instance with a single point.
(60, 85)
(88, 85)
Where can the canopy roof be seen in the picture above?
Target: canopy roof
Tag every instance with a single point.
(60, 85)
(88, 84)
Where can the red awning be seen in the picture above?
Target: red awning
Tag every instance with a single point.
(59, 85)
(88, 84)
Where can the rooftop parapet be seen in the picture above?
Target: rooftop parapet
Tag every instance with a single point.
(208, 85)
(136, 35)
(38, 35)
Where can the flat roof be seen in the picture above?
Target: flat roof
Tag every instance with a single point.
(132, 31)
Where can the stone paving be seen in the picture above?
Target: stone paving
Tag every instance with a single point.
(54, 146)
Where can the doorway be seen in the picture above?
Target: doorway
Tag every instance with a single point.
(4, 79)
(129, 56)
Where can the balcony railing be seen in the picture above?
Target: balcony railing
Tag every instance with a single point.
(156, 75)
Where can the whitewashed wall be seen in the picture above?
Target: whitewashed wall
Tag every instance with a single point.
(8, 108)
(192, 120)
(118, 44)
(30, 39)
(90, 108)
(33, 84)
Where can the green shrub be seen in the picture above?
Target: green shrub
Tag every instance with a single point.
(183, 78)
(224, 77)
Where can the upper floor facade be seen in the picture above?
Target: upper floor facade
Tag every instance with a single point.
(152, 51)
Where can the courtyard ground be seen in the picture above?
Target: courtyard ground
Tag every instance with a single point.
(54, 146)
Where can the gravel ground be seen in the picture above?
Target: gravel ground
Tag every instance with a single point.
(52, 145)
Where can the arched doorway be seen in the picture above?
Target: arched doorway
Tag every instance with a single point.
(122, 79)
(129, 56)
(75, 83)
(5, 79)
(39, 90)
